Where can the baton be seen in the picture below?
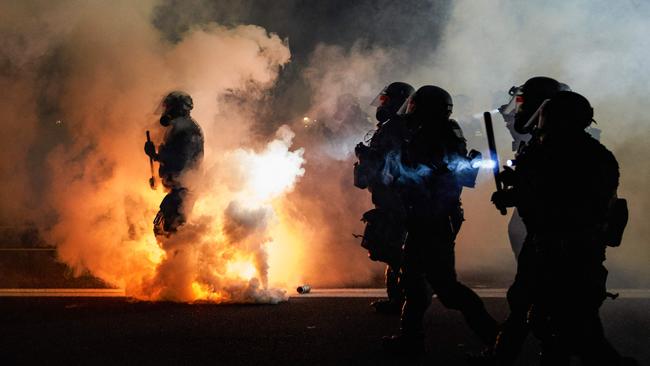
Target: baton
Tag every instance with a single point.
(489, 131)
(152, 180)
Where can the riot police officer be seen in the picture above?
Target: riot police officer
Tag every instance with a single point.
(434, 162)
(387, 139)
(568, 211)
(518, 114)
(181, 150)
(524, 101)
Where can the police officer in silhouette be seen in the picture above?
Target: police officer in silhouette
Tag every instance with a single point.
(181, 151)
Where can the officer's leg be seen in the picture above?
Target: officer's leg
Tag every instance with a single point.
(516, 233)
(591, 345)
(417, 297)
(589, 341)
(393, 289)
(515, 329)
(554, 352)
(171, 214)
(416, 289)
(392, 305)
(454, 295)
(550, 328)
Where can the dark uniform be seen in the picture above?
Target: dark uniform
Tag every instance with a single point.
(387, 139)
(565, 187)
(181, 150)
(434, 158)
(525, 101)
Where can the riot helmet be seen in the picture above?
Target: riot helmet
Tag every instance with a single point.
(428, 102)
(566, 112)
(390, 99)
(175, 104)
(530, 96)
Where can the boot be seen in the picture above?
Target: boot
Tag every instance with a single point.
(403, 344)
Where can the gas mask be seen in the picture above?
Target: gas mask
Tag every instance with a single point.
(165, 120)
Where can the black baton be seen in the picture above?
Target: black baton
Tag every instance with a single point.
(487, 116)
(152, 180)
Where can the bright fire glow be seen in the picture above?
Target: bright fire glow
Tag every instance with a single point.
(242, 269)
(270, 173)
(223, 253)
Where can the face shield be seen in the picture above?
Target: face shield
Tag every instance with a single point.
(537, 119)
(381, 99)
(160, 107)
(518, 97)
(407, 107)
(509, 108)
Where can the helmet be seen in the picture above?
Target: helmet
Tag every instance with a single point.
(530, 96)
(567, 111)
(175, 104)
(390, 99)
(178, 101)
(429, 101)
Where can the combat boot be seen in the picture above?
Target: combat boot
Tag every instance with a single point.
(387, 306)
(403, 344)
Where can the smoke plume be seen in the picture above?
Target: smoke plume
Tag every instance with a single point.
(82, 82)
(599, 49)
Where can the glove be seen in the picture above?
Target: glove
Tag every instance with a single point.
(361, 150)
(150, 149)
(507, 176)
(503, 199)
(473, 154)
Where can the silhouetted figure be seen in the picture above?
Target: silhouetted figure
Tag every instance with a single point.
(435, 167)
(181, 150)
(565, 189)
(525, 102)
(389, 213)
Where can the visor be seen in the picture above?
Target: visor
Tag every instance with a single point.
(406, 108)
(534, 119)
(512, 106)
(381, 98)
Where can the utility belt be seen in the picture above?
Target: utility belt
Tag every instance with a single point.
(576, 242)
(383, 236)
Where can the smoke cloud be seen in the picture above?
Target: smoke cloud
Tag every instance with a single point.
(599, 49)
(82, 82)
(479, 51)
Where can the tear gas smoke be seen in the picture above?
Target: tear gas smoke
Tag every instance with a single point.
(103, 77)
(484, 49)
(599, 48)
(485, 164)
(81, 181)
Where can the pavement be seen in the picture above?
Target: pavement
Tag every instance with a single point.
(325, 327)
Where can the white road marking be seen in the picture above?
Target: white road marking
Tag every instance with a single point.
(61, 292)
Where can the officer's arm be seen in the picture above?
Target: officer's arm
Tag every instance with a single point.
(608, 176)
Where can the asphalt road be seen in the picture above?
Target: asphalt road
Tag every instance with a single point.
(302, 331)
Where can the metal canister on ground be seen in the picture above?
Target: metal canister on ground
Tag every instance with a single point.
(303, 289)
